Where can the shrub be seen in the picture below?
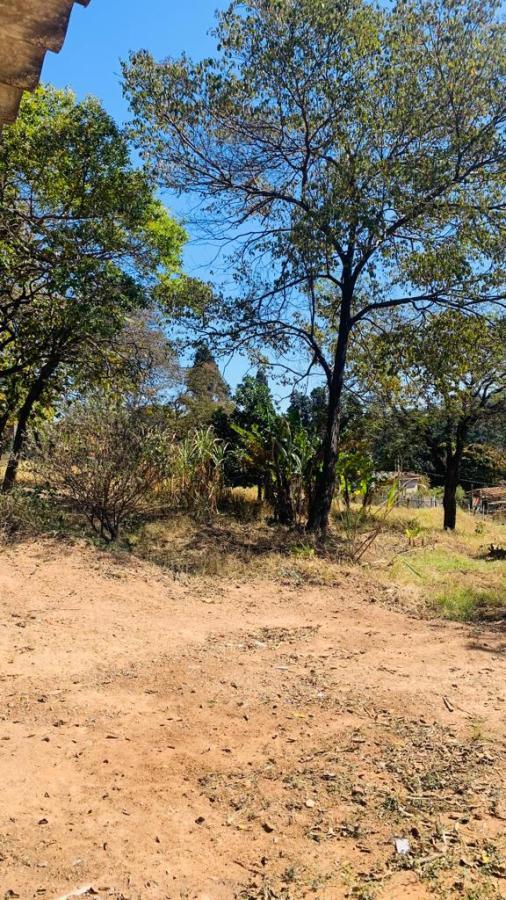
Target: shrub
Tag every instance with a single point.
(286, 453)
(413, 530)
(469, 604)
(355, 477)
(27, 513)
(106, 459)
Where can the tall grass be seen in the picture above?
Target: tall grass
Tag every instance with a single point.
(197, 480)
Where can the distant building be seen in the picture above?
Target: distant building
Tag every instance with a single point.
(412, 489)
(28, 28)
(489, 500)
(409, 483)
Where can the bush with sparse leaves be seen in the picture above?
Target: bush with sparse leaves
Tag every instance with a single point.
(107, 459)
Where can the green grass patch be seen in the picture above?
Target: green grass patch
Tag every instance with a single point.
(470, 604)
(435, 564)
(446, 581)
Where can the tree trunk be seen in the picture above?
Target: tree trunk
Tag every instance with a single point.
(34, 394)
(4, 418)
(268, 489)
(284, 510)
(453, 461)
(283, 502)
(321, 502)
(19, 440)
(450, 497)
(10, 406)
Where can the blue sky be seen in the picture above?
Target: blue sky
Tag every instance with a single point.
(102, 34)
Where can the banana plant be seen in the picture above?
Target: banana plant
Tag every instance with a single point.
(286, 453)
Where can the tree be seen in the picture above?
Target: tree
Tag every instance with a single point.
(483, 464)
(254, 409)
(310, 410)
(354, 155)
(447, 377)
(396, 436)
(84, 244)
(138, 360)
(253, 401)
(141, 361)
(206, 389)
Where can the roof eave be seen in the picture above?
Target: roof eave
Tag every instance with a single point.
(26, 34)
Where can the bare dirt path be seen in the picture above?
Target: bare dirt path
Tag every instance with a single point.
(161, 739)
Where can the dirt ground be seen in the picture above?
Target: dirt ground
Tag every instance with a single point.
(165, 738)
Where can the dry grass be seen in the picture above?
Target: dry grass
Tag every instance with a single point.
(423, 568)
(471, 534)
(429, 570)
(233, 550)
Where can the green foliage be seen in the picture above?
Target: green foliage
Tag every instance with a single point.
(355, 472)
(303, 551)
(385, 121)
(253, 407)
(77, 220)
(206, 390)
(197, 472)
(460, 494)
(454, 365)
(83, 245)
(285, 453)
(355, 151)
(253, 401)
(396, 436)
(309, 411)
(26, 512)
(413, 530)
(442, 379)
(483, 463)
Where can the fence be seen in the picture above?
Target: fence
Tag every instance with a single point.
(415, 502)
(412, 501)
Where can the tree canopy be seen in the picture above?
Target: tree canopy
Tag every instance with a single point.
(444, 378)
(206, 389)
(84, 245)
(80, 228)
(353, 154)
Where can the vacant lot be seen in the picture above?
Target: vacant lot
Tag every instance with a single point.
(185, 738)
